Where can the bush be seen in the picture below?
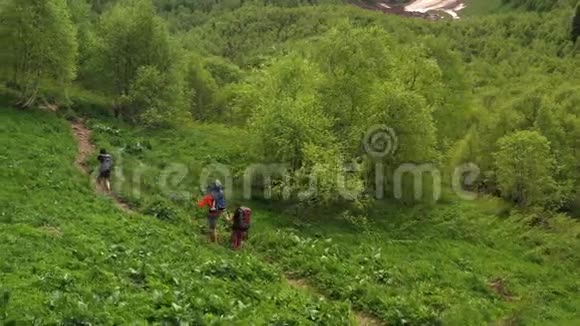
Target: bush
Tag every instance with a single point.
(4, 301)
(162, 210)
(360, 222)
(105, 129)
(138, 147)
(525, 165)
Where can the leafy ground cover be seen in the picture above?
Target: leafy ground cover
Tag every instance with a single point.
(68, 255)
(292, 78)
(451, 263)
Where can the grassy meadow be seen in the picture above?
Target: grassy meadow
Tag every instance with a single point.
(70, 256)
(181, 92)
(453, 263)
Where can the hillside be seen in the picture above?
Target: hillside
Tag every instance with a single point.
(400, 171)
(454, 263)
(69, 255)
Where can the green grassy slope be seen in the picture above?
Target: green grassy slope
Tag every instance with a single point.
(454, 263)
(481, 7)
(67, 255)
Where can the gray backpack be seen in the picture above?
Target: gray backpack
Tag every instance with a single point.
(106, 162)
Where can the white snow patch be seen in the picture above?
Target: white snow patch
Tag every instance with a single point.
(451, 7)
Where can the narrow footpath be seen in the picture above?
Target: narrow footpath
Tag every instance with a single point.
(85, 149)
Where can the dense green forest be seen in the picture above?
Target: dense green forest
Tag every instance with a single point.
(303, 87)
(474, 86)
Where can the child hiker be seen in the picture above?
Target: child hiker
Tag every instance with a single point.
(240, 225)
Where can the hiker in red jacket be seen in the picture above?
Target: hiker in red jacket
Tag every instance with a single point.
(212, 216)
(215, 199)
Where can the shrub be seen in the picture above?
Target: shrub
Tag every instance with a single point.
(162, 210)
(524, 165)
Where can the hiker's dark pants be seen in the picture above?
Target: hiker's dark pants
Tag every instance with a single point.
(237, 236)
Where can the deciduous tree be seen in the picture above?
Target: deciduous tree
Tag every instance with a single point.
(524, 166)
(132, 37)
(40, 45)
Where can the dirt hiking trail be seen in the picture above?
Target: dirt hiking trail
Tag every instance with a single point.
(85, 149)
(362, 319)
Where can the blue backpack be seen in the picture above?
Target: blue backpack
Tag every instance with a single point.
(217, 193)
